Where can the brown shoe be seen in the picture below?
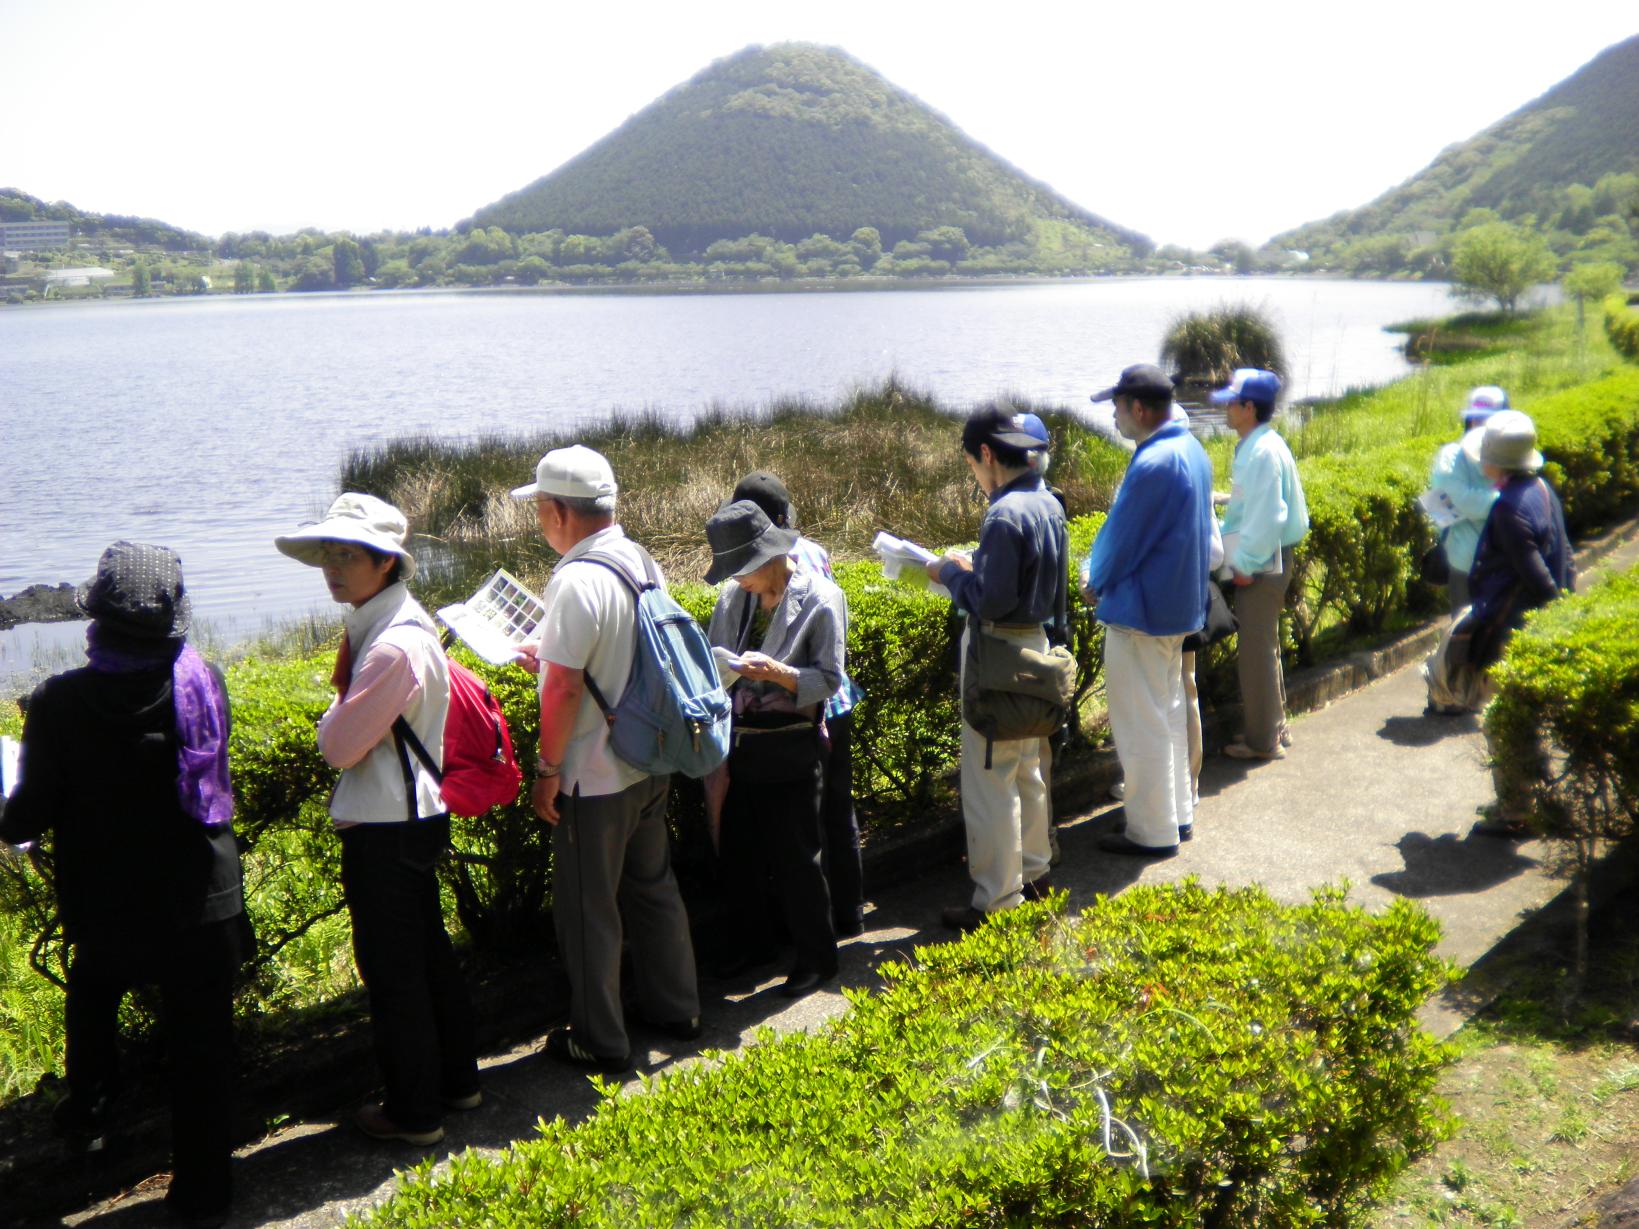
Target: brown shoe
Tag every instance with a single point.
(1037, 889)
(374, 1122)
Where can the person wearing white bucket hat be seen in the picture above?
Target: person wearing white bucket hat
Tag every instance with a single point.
(391, 817)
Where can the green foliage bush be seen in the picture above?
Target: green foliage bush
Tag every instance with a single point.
(1568, 700)
(1622, 326)
(1172, 1057)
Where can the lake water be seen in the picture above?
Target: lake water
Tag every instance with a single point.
(212, 424)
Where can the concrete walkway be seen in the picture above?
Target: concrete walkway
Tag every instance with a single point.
(1371, 792)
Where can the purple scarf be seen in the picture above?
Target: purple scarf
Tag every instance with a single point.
(201, 717)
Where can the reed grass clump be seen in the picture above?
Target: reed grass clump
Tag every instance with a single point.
(883, 458)
(1205, 348)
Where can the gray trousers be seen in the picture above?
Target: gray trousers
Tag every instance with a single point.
(612, 880)
(1263, 686)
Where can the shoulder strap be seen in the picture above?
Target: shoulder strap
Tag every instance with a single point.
(650, 581)
(404, 736)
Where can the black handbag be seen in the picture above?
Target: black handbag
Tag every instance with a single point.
(768, 747)
(1220, 621)
(1433, 567)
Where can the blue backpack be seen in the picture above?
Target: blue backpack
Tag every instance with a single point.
(674, 715)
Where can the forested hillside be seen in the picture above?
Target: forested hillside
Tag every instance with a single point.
(791, 141)
(18, 206)
(1566, 164)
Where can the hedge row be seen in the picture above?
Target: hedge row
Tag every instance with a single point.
(1358, 564)
(1568, 690)
(1172, 1057)
(1622, 326)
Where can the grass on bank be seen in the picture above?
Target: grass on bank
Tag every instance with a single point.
(1547, 1103)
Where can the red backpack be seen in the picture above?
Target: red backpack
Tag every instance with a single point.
(479, 770)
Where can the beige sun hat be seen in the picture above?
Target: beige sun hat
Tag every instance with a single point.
(1509, 441)
(354, 517)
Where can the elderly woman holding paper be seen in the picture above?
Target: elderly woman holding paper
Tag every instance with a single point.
(779, 635)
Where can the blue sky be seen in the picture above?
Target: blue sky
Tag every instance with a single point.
(361, 115)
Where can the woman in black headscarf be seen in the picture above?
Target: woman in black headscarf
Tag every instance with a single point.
(125, 763)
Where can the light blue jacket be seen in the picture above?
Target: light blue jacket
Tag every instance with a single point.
(1149, 563)
(1266, 505)
(1471, 493)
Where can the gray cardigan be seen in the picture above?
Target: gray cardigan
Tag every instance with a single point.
(808, 629)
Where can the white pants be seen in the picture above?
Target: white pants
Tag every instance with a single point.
(1004, 808)
(1144, 688)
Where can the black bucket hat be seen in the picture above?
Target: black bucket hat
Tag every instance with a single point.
(138, 592)
(743, 539)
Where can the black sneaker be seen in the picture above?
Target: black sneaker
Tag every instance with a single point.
(561, 1045)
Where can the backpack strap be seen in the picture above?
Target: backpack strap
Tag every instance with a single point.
(650, 581)
(404, 736)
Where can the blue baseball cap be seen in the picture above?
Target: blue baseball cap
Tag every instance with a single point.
(1032, 425)
(1483, 402)
(1250, 384)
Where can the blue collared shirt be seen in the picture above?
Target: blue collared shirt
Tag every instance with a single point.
(1266, 506)
(1150, 562)
(1020, 568)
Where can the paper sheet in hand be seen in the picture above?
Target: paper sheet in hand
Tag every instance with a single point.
(498, 618)
(899, 553)
(1232, 542)
(1440, 509)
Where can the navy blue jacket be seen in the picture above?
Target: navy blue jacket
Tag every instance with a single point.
(1020, 568)
(1523, 561)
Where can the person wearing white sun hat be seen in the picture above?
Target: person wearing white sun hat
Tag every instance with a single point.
(391, 817)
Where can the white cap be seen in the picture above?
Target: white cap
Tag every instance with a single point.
(575, 472)
(357, 518)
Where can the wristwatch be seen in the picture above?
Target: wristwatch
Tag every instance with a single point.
(544, 769)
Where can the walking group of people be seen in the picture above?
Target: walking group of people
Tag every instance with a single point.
(148, 872)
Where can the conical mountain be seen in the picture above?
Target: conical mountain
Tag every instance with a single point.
(789, 141)
(1567, 161)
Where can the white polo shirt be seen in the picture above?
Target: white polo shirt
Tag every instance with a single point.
(589, 625)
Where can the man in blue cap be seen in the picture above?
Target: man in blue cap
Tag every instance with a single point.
(1267, 516)
(1147, 579)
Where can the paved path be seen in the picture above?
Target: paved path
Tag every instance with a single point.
(1371, 792)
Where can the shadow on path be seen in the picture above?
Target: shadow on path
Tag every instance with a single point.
(1426, 730)
(1450, 865)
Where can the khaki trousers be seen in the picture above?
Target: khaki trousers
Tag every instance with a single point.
(1257, 660)
(1004, 808)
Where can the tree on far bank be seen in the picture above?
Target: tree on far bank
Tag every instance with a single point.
(347, 262)
(1501, 261)
(141, 281)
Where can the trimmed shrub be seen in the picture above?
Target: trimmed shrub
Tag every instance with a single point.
(1565, 724)
(1172, 1057)
(1622, 326)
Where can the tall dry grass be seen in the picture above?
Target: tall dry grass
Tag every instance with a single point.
(884, 458)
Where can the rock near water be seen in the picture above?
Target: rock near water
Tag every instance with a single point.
(39, 604)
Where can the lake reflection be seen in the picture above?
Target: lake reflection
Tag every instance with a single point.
(210, 425)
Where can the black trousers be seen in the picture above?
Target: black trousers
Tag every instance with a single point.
(773, 828)
(842, 866)
(194, 971)
(420, 1013)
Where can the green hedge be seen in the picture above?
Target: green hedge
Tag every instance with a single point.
(1568, 690)
(1622, 326)
(1172, 1057)
(1358, 564)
